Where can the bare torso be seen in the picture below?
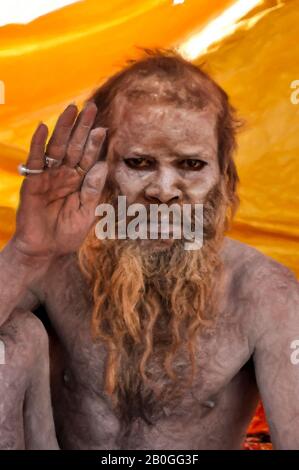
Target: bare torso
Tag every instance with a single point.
(214, 413)
(251, 341)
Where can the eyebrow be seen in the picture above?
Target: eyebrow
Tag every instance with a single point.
(187, 155)
(144, 154)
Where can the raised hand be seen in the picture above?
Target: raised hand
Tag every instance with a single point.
(57, 206)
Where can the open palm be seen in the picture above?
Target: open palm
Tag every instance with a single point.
(57, 206)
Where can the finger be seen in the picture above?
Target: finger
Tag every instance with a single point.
(36, 159)
(79, 137)
(93, 148)
(58, 142)
(93, 185)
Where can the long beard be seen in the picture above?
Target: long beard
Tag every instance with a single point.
(149, 308)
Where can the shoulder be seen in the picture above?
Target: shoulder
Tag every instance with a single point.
(252, 266)
(269, 289)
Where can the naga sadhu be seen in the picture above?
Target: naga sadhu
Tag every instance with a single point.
(152, 346)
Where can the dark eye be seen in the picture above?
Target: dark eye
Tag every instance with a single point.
(192, 164)
(138, 162)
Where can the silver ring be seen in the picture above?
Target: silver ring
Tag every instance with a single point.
(24, 171)
(50, 162)
(80, 170)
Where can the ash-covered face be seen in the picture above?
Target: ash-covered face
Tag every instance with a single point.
(161, 153)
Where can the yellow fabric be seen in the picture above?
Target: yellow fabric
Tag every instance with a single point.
(64, 55)
(257, 67)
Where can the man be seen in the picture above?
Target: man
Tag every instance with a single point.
(152, 346)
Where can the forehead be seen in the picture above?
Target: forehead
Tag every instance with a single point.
(163, 124)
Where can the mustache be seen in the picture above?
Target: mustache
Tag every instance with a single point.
(178, 215)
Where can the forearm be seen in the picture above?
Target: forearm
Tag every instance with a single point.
(17, 273)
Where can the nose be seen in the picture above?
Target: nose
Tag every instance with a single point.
(163, 189)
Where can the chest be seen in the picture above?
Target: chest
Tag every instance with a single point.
(80, 363)
(78, 369)
(223, 392)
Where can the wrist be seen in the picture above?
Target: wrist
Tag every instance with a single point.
(14, 254)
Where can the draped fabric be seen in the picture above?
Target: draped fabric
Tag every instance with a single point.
(62, 56)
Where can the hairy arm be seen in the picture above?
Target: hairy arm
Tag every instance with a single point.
(55, 213)
(277, 374)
